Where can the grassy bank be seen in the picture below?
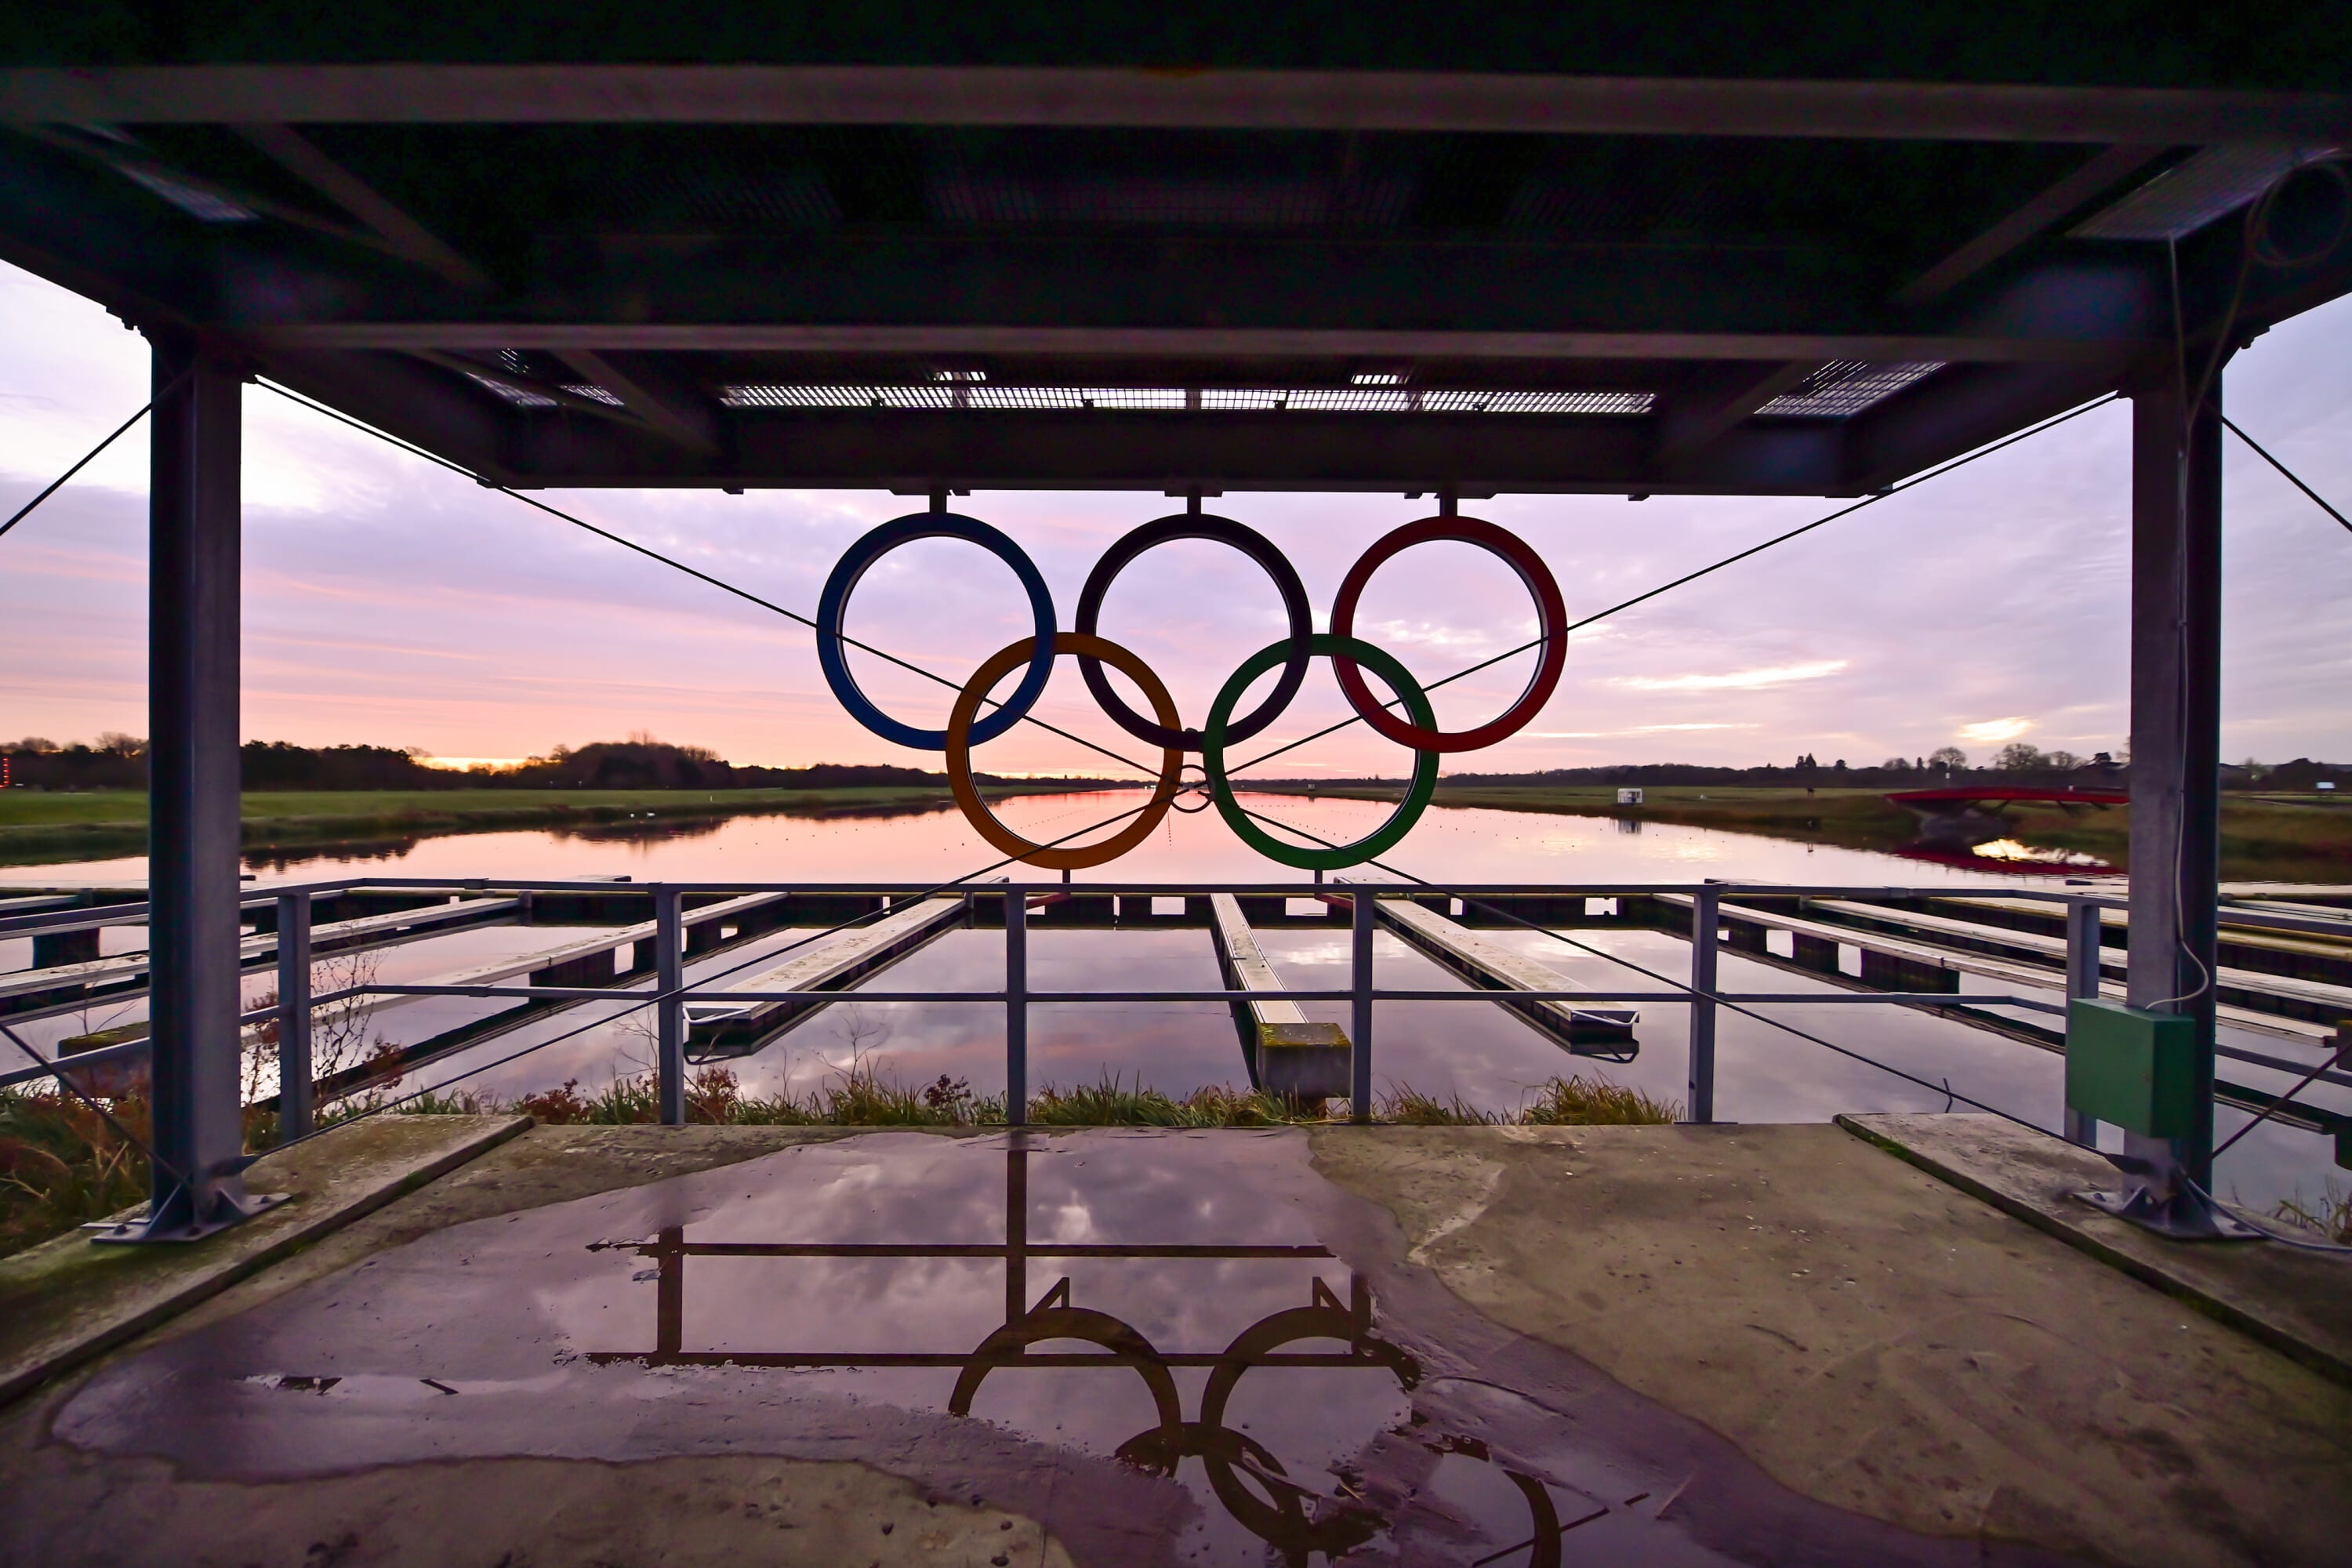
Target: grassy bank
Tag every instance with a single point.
(62, 1166)
(864, 1100)
(38, 828)
(2262, 838)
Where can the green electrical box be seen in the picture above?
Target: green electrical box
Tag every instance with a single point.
(2131, 1067)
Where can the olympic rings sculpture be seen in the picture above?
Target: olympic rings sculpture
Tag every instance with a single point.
(1350, 656)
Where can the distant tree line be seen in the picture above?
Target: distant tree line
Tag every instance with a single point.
(119, 761)
(2015, 763)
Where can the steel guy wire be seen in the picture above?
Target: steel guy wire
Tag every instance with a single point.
(639, 1001)
(676, 564)
(54, 485)
(1873, 499)
(2316, 497)
(1944, 1088)
(2279, 1101)
(57, 1071)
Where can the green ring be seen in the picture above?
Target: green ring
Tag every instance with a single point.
(1400, 823)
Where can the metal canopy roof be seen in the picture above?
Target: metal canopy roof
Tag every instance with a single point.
(950, 247)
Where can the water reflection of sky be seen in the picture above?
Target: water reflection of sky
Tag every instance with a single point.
(1459, 844)
(1482, 1054)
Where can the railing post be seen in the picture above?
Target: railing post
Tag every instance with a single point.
(2084, 932)
(669, 975)
(1705, 941)
(295, 1106)
(1359, 1008)
(1016, 1008)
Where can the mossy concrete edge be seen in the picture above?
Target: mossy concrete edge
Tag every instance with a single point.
(2148, 1270)
(20, 1373)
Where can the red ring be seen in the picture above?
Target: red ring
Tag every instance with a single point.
(1551, 617)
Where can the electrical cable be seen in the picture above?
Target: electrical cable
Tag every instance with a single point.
(675, 564)
(2179, 880)
(2243, 1217)
(1916, 480)
(2316, 497)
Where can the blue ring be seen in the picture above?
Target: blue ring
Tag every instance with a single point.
(881, 542)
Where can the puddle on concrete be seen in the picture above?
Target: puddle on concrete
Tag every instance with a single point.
(1166, 1347)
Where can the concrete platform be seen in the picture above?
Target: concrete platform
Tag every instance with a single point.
(66, 1300)
(1673, 1345)
(2298, 1302)
(1876, 1339)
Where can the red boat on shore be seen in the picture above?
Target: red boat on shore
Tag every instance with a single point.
(1963, 825)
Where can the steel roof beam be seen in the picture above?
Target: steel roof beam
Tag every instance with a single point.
(402, 397)
(402, 234)
(1245, 99)
(1698, 415)
(1103, 449)
(2098, 176)
(1223, 343)
(674, 410)
(1962, 408)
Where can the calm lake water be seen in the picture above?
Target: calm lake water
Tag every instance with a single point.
(1485, 1055)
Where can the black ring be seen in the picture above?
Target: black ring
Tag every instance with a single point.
(1220, 531)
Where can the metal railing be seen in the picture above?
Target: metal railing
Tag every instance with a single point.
(294, 909)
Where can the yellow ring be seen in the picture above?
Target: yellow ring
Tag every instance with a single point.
(959, 753)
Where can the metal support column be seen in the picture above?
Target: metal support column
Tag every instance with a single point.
(295, 1106)
(669, 975)
(2176, 712)
(1359, 1007)
(194, 994)
(1704, 923)
(2084, 935)
(1016, 1008)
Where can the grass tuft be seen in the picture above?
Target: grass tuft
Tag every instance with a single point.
(61, 1166)
(1581, 1101)
(862, 1097)
(2330, 1218)
(1408, 1106)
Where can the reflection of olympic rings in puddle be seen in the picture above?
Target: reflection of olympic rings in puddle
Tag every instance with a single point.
(1348, 656)
(1297, 1520)
(1245, 1476)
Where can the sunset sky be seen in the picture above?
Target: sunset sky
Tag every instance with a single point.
(390, 602)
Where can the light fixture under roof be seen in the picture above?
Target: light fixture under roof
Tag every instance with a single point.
(2190, 195)
(1378, 378)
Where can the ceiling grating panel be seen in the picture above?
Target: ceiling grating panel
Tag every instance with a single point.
(1844, 388)
(2186, 197)
(521, 397)
(1356, 400)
